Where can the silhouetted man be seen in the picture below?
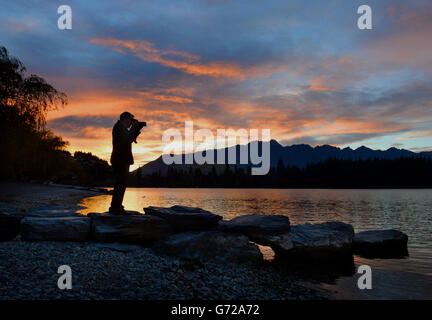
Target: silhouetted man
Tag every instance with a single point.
(123, 134)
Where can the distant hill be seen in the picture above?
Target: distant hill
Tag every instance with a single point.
(299, 155)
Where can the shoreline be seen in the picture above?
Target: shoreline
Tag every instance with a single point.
(28, 270)
(25, 196)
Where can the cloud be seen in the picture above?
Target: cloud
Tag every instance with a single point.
(83, 126)
(417, 135)
(175, 95)
(397, 145)
(21, 26)
(183, 61)
(319, 84)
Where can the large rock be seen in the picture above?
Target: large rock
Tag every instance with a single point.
(183, 218)
(267, 230)
(10, 219)
(210, 246)
(137, 229)
(55, 228)
(323, 241)
(381, 243)
(52, 211)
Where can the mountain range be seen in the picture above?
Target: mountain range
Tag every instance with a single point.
(299, 155)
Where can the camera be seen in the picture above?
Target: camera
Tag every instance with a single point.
(138, 125)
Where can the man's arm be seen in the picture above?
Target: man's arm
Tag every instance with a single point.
(135, 130)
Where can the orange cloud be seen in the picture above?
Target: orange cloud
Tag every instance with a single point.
(186, 62)
(22, 25)
(348, 125)
(175, 95)
(318, 84)
(417, 135)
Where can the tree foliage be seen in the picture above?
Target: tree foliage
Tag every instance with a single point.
(29, 150)
(28, 97)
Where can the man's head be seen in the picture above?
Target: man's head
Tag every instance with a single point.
(126, 118)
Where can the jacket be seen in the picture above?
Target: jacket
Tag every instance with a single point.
(122, 145)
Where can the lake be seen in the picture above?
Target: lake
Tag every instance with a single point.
(409, 210)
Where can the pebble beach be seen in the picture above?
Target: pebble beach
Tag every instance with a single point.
(28, 270)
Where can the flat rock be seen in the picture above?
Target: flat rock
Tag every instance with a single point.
(210, 246)
(267, 230)
(183, 218)
(137, 229)
(323, 241)
(52, 211)
(10, 219)
(55, 228)
(381, 243)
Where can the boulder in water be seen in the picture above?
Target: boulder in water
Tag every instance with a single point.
(319, 242)
(381, 243)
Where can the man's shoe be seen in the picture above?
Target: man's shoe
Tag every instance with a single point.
(117, 211)
(122, 212)
(130, 213)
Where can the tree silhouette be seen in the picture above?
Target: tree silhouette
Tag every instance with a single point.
(29, 150)
(29, 97)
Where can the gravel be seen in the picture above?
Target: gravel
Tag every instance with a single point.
(28, 270)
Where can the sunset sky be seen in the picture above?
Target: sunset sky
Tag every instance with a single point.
(301, 68)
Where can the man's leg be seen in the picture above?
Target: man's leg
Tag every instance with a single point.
(121, 172)
(122, 183)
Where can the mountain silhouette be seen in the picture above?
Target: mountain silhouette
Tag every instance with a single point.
(298, 155)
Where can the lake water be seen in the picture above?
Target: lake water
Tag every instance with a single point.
(409, 210)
